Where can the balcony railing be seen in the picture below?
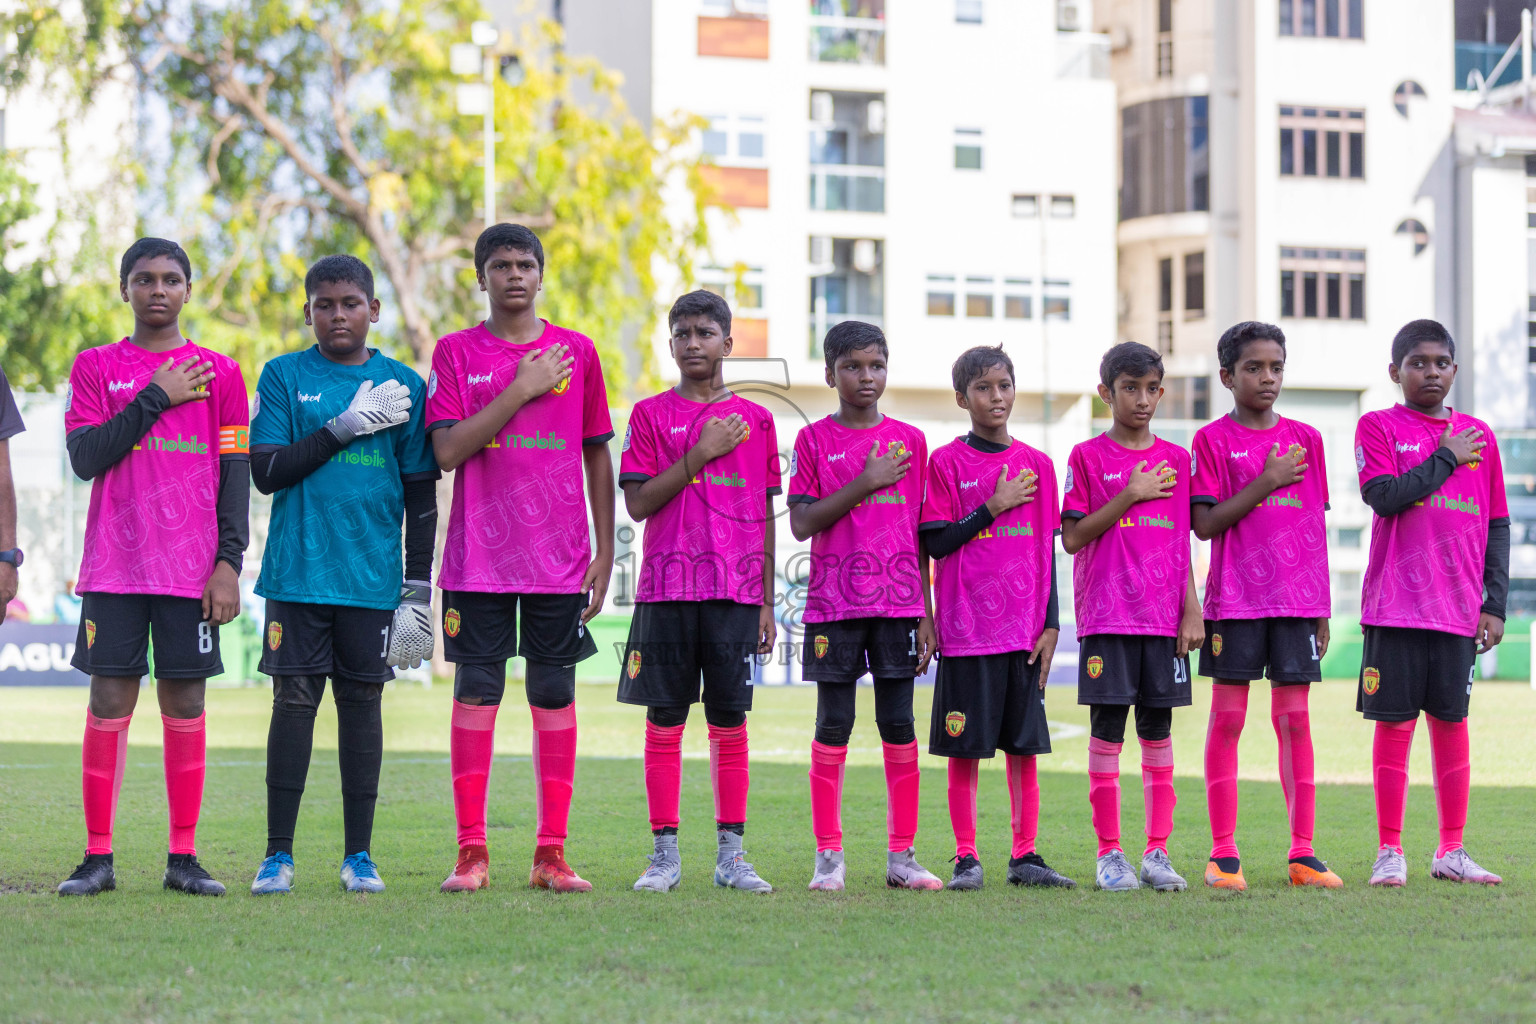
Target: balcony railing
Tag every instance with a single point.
(1485, 59)
(842, 187)
(838, 39)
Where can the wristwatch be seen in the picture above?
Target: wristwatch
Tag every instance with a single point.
(13, 556)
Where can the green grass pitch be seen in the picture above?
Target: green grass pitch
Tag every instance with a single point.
(1433, 951)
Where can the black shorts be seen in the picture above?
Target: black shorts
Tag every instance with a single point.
(984, 703)
(843, 650)
(481, 628)
(1405, 671)
(326, 640)
(1241, 650)
(115, 629)
(674, 644)
(1113, 668)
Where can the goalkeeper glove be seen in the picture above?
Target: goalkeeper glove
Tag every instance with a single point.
(410, 636)
(372, 409)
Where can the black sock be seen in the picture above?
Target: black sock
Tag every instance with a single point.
(360, 743)
(1228, 864)
(289, 740)
(739, 827)
(1311, 862)
(665, 830)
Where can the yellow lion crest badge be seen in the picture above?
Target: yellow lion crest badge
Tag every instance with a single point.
(954, 723)
(1095, 667)
(562, 387)
(821, 646)
(274, 635)
(1216, 645)
(1371, 681)
(632, 665)
(451, 622)
(90, 634)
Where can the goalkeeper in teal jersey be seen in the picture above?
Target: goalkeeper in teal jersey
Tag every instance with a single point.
(337, 440)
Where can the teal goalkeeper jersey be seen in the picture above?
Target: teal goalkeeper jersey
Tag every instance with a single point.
(335, 536)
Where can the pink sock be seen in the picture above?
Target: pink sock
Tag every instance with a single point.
(1293, 730)
(186, 764)
(1157, 786)
(1024, 801)
(554, 763)
(827, 795)
(963, 772)
(471, 741)
(903, 783)
(1229, 708)
(1389, 766)
(663, 773)
(1452, 756)
(1104, 792)
(102, 759)
(728, 769)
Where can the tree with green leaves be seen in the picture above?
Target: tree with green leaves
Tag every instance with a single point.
(299, 129)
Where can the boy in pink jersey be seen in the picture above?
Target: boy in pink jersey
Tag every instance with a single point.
(518, 407)
(700, 469)
(1434, 593)
(1259, 492)
(1125, 518)
(161, 428)
(995, 597)
(856, 490)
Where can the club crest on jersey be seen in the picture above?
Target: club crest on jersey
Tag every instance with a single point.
(90, 634)
(274, 635)
(821, 646)
(1370, 680)
(632, 664)
(746, 432)
(954, 723)
(1216, 645)
(895, 447)
(1095, 667)
(562, 387)
(451, 622)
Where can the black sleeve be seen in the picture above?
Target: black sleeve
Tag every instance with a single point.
(94, 450)
(1053, 604)
(234, 510)
(943, 539)
(1389, 495)
(420, 528)
(1496, 569)
(274, 467)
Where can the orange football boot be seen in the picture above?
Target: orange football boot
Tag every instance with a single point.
(473, 871)
(550, 871)
(1216, 878)
(1305, 874)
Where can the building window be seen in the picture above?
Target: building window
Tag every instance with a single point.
(1056, 303)
(1165, 285)
(1348, 537)
(738, 140)
(1321, 142)
(941, 295)
(1069, 16)
(1016, 299)
(1025, 205)
(1420, 233)
(1164, 38)
(739, 285)
(1407, 90)
(978, 297)
(1164, 336)
(847, 283)
(735, 8)
(1326, 284)
(1165, 157)
(968, 149)
(847, 151)
(1063, 206)
(1194, 285)
(968, 12)
(1334, 19)
(848, 31)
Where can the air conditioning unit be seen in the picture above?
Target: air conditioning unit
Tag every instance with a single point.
(874, 117)
(821, 251)
(821, 108)
(864, 256)
(1068, 16)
